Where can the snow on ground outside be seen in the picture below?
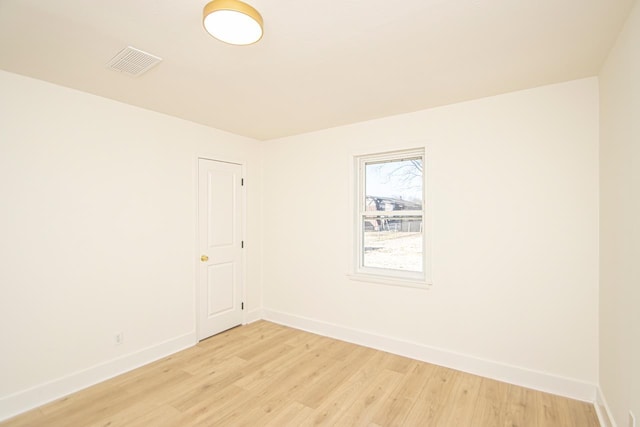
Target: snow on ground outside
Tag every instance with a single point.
(393, 249)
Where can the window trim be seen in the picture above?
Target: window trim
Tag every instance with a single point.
(379, 275)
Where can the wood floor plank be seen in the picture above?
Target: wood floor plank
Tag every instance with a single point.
(341, 398)
(258, 402)
(294, 414)
(583, 414)
(143, 409)
(362, 411)
(400, 364)
(393, 411)
(427, 409)
(271, 369)
(416, 380)
(201, 387)
(379, 361)
(264, 374)
(490, 405)
(210, 407)
(553, 411)
(520, 407)
(397, 407)
(265, 342)
(459, 406)
(336, 374)
(179, 360)
(87, 411)
(156, 381)
(163, 416)
(299, 380)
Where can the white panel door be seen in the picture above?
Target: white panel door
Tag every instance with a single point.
(220, 243)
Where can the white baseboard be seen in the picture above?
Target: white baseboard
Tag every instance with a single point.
(603, 411)
(253, 316)
(25, 400)
(561, 386)
(31, 398)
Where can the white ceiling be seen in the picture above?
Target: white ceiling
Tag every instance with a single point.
(320, 63)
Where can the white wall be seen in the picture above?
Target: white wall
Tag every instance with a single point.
(620, 224)
(513, 181)
(98, 231)
(98, 236)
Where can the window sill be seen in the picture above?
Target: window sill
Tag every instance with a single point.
(407, 283)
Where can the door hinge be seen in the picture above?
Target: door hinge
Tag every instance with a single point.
(242, 182)
(242, 244)
(242, 306)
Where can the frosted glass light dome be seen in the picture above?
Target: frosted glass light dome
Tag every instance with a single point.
(232, 21)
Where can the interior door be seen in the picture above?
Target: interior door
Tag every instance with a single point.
(220, 242)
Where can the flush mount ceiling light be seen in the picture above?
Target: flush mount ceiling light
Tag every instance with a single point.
(232, 21)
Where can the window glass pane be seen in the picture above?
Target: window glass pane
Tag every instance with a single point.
(393, 185)
(392, 242)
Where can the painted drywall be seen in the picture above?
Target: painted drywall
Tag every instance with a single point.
(620, 224)
(98, 231)
(98, 235)
(513, 191)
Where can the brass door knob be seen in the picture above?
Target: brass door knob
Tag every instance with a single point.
(204, 258)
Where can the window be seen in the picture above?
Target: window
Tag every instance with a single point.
(390, 217)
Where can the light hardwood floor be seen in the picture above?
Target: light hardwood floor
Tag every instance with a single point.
(265, 374)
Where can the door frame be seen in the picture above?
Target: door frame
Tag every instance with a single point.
(196, 250)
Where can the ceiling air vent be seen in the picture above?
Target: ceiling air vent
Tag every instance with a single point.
(133, 61)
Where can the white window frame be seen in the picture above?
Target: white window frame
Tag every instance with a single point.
(382, 275)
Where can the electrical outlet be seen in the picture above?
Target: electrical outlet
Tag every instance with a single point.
(632, 419)
(119, 338)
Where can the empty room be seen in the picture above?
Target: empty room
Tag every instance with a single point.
(288, 213)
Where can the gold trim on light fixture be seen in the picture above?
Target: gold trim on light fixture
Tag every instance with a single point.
(232, 21)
